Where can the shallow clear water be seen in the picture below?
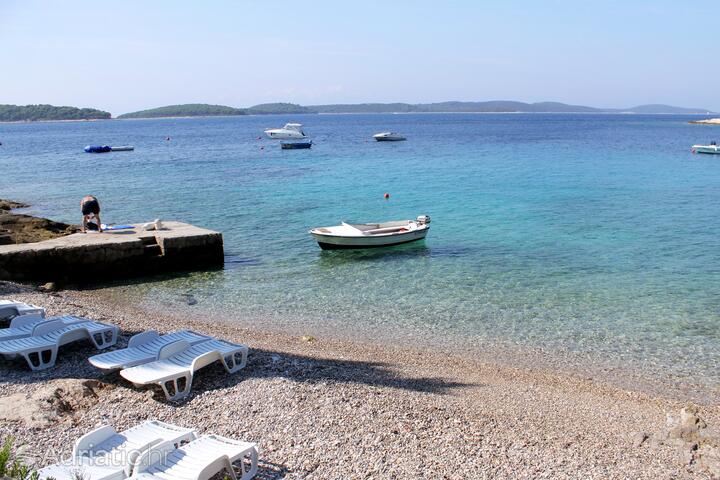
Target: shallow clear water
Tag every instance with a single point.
(595, 234)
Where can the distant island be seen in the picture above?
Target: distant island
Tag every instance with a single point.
(500, 106)
(186, 110)
(36, 113)
(275, 108)
(29, 113)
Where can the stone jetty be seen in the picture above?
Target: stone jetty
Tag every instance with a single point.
(89, 257)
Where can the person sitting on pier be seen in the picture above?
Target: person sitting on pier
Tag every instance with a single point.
(90, 208)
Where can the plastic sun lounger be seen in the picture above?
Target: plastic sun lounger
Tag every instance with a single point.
(143, 348)
(200, 459)
(22, 326)
(41, 348)
(10, 309)
(178, 362)
(104, 454)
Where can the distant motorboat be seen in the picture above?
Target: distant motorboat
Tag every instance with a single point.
(713, 148)
(108, 148)
(371, 235)
(295, 145)
(389, 137)
(290, 130)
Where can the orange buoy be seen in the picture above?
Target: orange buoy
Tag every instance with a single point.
(386, 196)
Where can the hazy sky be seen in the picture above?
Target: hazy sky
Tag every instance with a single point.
(127, 55)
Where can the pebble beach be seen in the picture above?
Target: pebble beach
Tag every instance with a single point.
(328, 409)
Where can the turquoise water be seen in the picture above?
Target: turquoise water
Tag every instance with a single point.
(592, 234)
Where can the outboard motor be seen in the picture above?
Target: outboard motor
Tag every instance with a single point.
(423, 219)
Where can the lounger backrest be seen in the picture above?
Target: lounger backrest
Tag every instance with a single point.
(142, 338)
(173, 349)
(45, 328)
(25, 320)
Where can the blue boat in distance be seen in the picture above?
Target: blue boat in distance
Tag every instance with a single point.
(295, 145)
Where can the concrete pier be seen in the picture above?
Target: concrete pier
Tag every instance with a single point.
(89, 257)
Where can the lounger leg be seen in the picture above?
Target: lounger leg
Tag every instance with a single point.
(177, 393)
(231, 362)
(38, 363)
(104, 339)
(247, 474)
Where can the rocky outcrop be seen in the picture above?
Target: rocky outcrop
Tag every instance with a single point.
(696, 443)
(18, 228)
(709, 121)
(53, 402)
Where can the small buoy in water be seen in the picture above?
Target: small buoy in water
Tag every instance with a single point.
(259, 138)
(262, 148)
(167, 139)
(386, 196)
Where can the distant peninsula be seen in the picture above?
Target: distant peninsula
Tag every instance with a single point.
(186, 110)
(37, 113)
(498, 106)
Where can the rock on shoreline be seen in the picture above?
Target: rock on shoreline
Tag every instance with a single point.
(18, 228)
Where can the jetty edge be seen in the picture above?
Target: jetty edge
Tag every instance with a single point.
(86, 258)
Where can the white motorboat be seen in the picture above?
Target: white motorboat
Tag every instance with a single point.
(290, 130)
(712, 148)
(389, 137)
(370, 235)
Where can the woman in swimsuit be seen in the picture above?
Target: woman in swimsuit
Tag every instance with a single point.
(90, 208)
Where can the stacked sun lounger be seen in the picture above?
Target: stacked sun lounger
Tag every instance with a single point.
(154, 450)
(171, 360)
(10, 309)
(38, 339)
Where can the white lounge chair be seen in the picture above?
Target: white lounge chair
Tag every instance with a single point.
(11, 308)
(178, 362)
(143, 348)
(22, 326)
(104, 454)
(40, 349)
(200, 459)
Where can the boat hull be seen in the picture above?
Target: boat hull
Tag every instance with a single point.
(295, 146)
(710, 149)
(390, 139)
(334, 242)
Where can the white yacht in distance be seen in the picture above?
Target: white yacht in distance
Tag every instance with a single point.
(389, 137)
(290, 130)
(712, 148)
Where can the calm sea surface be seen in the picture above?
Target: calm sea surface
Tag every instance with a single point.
(597, 235)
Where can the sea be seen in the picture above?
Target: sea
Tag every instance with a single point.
(583, 236)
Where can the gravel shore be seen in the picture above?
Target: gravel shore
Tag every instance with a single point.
(327, 409)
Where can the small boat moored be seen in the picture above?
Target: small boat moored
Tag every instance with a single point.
(295, 145)
(712, 148)
(290, 130)
(97, 149)
(389, 137)
(371, 235)
(108, 148)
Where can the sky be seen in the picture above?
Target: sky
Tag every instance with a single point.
(129, 55)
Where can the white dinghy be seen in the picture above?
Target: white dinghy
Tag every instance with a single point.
(370, 235)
